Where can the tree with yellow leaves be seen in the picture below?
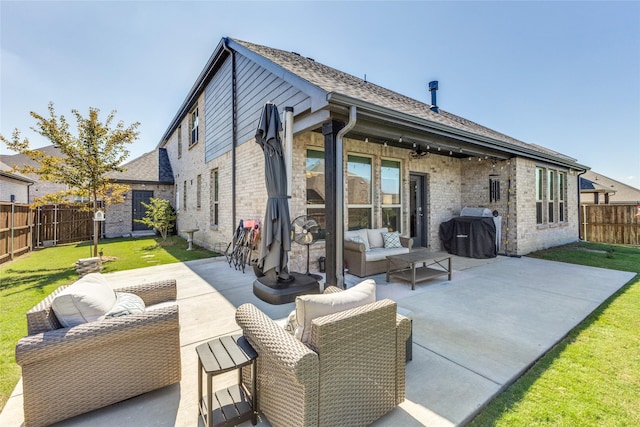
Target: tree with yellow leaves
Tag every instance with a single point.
(87, 157)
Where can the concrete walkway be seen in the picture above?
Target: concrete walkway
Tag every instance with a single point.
(473, 336)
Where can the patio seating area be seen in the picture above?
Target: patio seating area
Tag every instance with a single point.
(472, 336)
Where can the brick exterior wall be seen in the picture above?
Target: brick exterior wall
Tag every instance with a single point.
(451, 185)
(529, 235)
(119, 218)
(17, 188)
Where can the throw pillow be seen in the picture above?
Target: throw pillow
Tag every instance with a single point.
(126, 303)
(359, 239)
(309, 307)
(86, 300)
(375, 237)
(392, 240)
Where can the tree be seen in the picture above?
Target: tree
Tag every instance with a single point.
(86, 161)
(159, 215)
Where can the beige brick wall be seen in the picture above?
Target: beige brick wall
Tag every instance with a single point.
(451, 184)
(530, 236)
(119, 218)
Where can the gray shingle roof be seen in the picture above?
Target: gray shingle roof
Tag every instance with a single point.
(153, 166)
(335, 81)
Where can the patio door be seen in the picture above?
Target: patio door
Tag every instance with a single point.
(418, 209)
(138, 210)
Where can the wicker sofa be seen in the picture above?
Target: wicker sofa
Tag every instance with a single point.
(68, 371)
(365, 253)
(351, 371)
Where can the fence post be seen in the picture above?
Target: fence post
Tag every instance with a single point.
(584, 222)
(13, 213)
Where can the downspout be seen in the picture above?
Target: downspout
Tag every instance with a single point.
(339, 167)
(234, 131)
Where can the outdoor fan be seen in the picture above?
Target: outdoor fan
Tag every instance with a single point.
(306, 230)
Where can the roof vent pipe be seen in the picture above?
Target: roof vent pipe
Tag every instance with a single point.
(433, 87)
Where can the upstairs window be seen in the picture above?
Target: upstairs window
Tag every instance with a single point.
(194, 124)
(179, 141)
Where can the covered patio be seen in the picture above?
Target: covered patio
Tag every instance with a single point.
(472, 336)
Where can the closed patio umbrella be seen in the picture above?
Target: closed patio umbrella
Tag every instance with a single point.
(275, 240)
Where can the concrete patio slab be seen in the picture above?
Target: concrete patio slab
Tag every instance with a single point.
(472, 335)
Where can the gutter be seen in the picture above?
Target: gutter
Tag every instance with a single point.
(234, 128)
(444, 130)
(339, 167)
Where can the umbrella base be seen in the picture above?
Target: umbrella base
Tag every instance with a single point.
(275, 292)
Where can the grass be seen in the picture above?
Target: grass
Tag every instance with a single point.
(27, 280)
(592, 377)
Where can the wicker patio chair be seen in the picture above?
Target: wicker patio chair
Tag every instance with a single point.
(352, 372)
(70, 371)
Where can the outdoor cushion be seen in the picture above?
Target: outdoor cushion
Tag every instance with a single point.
(375, 237)
(309, 307)
(359, 239)
(362, 233)
(391, 240)
(86, 300)
(126, 303)
(379, 254)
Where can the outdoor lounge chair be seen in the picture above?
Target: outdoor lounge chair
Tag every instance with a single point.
(68, 371)
(351, 372)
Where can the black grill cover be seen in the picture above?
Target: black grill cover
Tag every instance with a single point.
(473, 237)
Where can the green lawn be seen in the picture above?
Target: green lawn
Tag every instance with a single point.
(27, 280)
(592, 377)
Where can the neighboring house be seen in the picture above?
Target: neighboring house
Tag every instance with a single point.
(149, 175)
(407, 164)
(598, 189)
(14, 187)
(39, 188)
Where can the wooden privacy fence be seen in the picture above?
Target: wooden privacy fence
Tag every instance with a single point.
(617, 224)
(15, 230)
(23, 228)
(59, 224)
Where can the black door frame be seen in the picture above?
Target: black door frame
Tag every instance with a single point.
(418, 216)
(136, 226)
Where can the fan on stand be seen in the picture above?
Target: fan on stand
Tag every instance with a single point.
(306, 231)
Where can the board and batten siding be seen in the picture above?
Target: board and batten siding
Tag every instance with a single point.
(218, 109)
(255, 87)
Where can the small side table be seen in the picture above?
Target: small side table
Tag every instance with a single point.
(235, 404)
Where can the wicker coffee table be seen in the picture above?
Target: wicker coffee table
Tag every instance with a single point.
(418, 266)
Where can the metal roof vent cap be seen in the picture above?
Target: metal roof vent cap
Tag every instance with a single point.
(433, 87)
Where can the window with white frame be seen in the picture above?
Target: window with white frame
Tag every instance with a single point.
(179, 141)
(214, 197)
(539, 195)
(562, 196)
(551, 192)
(390, 191)
(193, 126)
(359, 192)
(551, 196)
(314, 171)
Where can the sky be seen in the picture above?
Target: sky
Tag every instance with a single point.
(563, 75)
